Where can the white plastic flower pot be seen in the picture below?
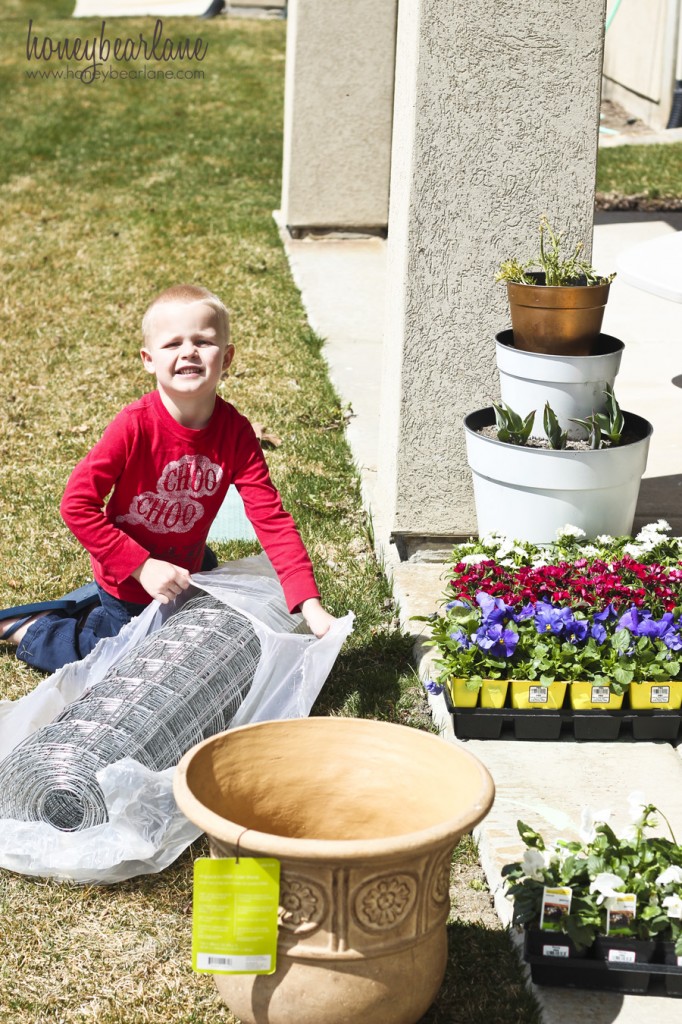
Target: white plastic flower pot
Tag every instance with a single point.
(529, 493)
(574, 386)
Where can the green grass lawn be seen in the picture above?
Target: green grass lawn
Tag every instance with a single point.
(110, 192)
(654, 171)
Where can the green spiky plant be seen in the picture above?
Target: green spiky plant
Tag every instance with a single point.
(557, 437)
(604, 426)
(512, 428)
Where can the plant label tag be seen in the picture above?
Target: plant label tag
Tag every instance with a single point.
(621, 913)
(556, 905)
(679, 961)
(235, 911)
(537, 695)
(622, 956)
(601, 694)
(660, 694)
(561, 951)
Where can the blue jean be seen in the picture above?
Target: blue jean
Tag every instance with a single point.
(56, 639)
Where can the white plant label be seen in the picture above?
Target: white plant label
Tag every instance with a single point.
(622, 956)
(601, 694)
(560, 951)
(538, 695)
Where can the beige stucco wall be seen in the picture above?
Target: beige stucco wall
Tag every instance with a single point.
(640, 57)
(497, 114)
(338, 113)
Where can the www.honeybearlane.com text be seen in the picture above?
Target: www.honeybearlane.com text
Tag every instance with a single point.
(98, 49)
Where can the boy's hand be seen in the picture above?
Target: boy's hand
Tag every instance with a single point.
(161, 580)
(319, 620)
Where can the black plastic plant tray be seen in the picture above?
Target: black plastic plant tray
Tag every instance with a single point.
(539, 724)
(591, 973)
(634, 979)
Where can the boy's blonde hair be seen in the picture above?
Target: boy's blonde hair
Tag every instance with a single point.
(186, 293)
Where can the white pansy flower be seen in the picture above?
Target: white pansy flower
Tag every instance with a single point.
(607, 885)
(506, 548)
(534, 862)
(636, 816)
(491, 539)
(636, 808)
(568, 530)
(631, 834)
(474, 559)
(671, 874)
(589, 819)
(673, 904)
(558, 853)
(655, 529)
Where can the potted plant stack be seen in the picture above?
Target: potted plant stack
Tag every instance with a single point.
(574, 456)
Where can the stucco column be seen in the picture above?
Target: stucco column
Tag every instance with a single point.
(338, 110)
(497, 115)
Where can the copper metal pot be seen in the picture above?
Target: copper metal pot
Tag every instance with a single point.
(557, 320)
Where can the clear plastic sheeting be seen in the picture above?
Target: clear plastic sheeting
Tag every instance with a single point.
(179, 686)
(88, 756)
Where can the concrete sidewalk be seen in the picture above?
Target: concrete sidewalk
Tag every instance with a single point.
(342, 283)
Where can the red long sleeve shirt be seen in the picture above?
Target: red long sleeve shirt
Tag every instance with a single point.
(167, 483)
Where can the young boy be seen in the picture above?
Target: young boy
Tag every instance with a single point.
(167, 461)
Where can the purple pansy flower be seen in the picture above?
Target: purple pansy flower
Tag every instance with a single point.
(673, 640)
(608, 613)
(460, 637)
(549, 619)
(432, 687)
(497, 640)
(493, 609)
(576, 630)
(656, 628)
(633, 619)
(597, 632)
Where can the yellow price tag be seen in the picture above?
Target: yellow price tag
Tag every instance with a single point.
(234, 921)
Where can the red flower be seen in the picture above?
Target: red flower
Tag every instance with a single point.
(582, 583)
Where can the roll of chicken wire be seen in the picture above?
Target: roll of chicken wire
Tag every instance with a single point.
(180, 685)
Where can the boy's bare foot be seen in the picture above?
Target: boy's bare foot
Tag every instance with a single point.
(14, 630)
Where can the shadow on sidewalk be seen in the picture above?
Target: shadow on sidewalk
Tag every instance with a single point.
(660, 497)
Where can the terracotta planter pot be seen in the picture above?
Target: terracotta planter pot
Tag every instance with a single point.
(363, 817)
(564, 320)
